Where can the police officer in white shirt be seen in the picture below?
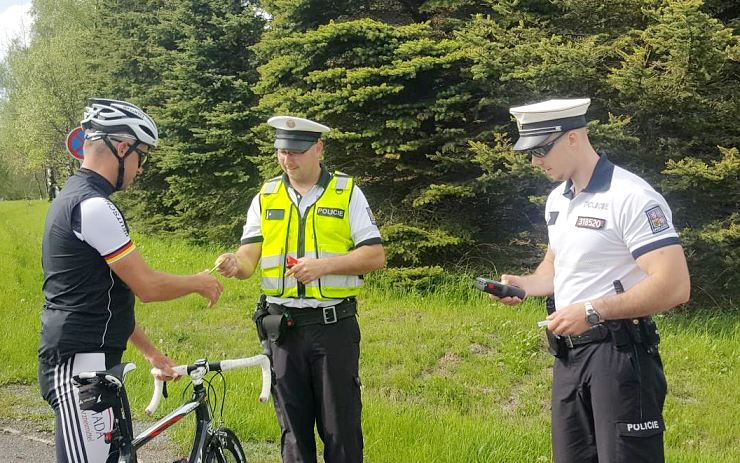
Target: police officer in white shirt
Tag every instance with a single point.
(613, 259)
(315, 236)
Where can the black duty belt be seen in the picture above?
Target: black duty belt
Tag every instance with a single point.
(596, 334)
(317, 316)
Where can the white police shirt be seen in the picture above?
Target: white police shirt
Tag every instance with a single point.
(597, 234)
(362, 226)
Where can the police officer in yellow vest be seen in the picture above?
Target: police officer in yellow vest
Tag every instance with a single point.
(316, 236)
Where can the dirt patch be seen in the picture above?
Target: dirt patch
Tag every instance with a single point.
(444, 366)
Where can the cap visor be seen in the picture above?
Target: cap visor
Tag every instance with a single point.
(293, 145)
(525, 143)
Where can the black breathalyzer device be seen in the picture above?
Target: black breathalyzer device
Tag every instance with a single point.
(498, 289)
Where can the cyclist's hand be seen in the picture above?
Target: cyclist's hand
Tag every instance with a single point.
(209, 287)
(164, 363)
(228, 264)
(511, 280)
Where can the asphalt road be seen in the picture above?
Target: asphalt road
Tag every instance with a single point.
(26, 441)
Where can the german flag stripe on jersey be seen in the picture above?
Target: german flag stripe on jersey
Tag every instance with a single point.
(120, 253)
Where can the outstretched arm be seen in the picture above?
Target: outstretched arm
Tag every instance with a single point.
(150, 285)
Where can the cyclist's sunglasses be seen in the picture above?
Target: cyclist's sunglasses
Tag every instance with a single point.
(543, 150)
(142, 154)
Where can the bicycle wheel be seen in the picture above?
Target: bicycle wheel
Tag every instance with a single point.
(225, 448)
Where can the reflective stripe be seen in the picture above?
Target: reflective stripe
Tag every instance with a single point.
(326, 254)
(341, 183)
(272, 261)
(340, 281)
(271, 186)
(271, 283)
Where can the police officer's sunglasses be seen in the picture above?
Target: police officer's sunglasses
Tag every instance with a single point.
(285, 152)
(543, 150)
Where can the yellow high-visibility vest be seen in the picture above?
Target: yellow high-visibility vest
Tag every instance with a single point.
(323, 232)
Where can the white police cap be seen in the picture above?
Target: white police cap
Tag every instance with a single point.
(295, 133)
(537, 122)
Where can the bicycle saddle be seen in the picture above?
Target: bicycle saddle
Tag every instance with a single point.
(113, 376)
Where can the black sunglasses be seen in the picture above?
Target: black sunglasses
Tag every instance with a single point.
(142, 156)
(542, 151)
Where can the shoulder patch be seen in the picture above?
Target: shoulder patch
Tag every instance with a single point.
(372, 217)
(657, 219)
(553, 217)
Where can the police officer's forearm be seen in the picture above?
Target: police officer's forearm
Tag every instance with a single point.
(359, 261)
(541, 282)
(666, 286)
(247, 257)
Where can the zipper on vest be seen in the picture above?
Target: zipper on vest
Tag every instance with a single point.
(302, 245)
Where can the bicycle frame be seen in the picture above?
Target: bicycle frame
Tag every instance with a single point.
(198, 403)
(121, 435)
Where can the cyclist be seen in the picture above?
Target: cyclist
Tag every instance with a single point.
(92, 271)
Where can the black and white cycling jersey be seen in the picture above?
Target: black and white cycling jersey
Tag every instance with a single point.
(87, 307)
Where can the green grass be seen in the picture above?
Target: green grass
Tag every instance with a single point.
(447, 377)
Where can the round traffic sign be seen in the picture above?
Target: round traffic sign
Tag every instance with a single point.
(75, 142)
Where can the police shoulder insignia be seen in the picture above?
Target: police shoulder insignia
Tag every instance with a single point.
(553, 217)
(372, 217)
(657, 219)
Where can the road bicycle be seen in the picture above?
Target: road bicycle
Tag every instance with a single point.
(212, 443)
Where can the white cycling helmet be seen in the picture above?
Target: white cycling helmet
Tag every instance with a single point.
(104, 117)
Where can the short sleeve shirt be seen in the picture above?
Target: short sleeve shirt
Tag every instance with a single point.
(361, 221)
(101, 225)
(597, 235)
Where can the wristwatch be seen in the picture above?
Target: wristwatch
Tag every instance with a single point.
(592, 316)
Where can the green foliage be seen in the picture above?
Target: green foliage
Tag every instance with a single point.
(196, 74)
(412, 279)
(45, 86)
(410, 245)
(708, 194)
(417, 93)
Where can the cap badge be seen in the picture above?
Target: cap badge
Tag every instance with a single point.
(290, 123)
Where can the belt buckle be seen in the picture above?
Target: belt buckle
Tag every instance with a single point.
(330, 314)
(569, 341)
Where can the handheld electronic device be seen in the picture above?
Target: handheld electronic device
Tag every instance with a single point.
(498, 289)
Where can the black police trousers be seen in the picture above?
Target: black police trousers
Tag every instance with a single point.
(607, 405)
(317, 382)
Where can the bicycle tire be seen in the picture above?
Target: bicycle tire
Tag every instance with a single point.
(225, 448)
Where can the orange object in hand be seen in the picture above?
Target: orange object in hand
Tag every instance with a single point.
(291, 261)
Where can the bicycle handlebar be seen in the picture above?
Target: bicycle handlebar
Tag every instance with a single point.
(197, 371)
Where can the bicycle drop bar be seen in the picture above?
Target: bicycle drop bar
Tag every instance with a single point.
(196, 372)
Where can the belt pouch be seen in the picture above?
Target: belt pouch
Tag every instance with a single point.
(650, 335)
(260, 312)
(555, 345)
(275, 327)
(620, 334)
